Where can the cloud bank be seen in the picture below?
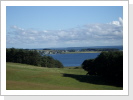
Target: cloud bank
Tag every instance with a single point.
(87, 35)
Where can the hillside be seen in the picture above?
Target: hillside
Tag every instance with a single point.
(28, 77)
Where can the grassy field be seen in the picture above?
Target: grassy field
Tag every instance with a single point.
(27, 77)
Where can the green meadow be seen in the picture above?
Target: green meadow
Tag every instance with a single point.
(28, 77)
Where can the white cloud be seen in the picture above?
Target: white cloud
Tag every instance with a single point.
(118, 23)
(121, 21)
(17, 28)
(32, 38)
(87, 35)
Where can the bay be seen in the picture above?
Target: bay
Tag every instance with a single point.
(75, 59)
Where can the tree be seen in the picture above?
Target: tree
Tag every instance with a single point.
(11, 55)
(31, 57)
(88, 65)
(108, 65)
(44, 61)
(58, 64)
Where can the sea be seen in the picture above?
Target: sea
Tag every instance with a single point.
(76, 59)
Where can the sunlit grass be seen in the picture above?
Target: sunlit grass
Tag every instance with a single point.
(28, 77)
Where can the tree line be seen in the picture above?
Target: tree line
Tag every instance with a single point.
(31, 57)
(108, 65)
(100, 49)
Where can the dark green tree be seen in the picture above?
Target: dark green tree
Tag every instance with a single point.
(31, 57)
(108, 65)
(88, 65)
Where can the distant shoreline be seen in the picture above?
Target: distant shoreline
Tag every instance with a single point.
(82, 52)
(43, 52)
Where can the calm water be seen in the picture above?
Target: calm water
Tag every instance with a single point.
(73, 59)
(77, 59)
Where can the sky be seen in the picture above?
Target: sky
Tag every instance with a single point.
(63, 26)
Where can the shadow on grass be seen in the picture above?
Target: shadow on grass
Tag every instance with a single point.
(93, 79)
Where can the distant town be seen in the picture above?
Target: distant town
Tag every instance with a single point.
(88, 50)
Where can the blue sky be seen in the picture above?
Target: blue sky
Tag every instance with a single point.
(63, 26)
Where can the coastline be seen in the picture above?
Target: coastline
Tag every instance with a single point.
(82, 52)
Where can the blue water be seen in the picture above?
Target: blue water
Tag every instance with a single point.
(77, 59)
(73, 59)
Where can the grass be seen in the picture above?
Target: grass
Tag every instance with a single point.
(28, 77)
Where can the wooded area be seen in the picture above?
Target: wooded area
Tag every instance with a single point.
(31, 57)
(108, 65)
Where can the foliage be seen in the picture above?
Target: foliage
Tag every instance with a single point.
(107, 64)
(100, 49)
(31, 57)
